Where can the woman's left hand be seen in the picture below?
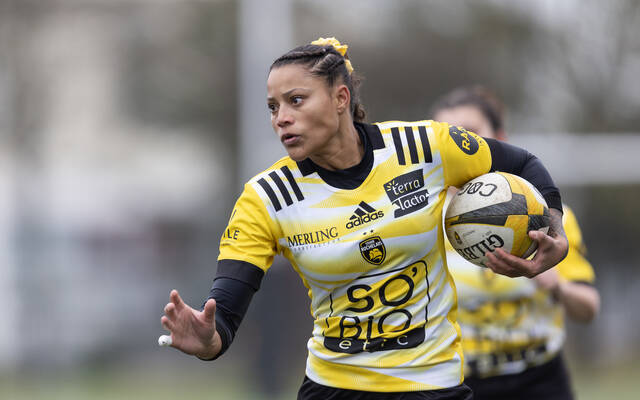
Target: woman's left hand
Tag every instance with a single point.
(552, 249)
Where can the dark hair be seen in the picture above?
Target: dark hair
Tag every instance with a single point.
(479, 96)
(325, 61)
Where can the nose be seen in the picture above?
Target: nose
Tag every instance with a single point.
(283, 117)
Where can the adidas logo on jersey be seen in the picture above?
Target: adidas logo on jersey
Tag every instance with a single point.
(362, 215)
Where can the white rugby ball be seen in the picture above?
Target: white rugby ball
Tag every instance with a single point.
(495, 210)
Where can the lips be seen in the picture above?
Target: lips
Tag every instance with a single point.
(289, 139)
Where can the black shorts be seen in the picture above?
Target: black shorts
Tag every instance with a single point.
(549, 381)
(314, 391)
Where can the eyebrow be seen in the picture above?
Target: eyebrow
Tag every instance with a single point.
(288, 92)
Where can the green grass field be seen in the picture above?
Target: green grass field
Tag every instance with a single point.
(620, 382)
(154, 382)
(194, 383)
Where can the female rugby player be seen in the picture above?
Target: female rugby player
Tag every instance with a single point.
(513, 329)
(357, 210)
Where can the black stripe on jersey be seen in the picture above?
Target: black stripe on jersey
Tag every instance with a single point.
(413, 147)
(280, 185)
(395, 134)
(366, 207)
(284, 190)
(411, 140)
(426, 149)
(296, 189)
(270, 193)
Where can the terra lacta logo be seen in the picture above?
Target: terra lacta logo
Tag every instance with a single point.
(373, 250)
(407, 193)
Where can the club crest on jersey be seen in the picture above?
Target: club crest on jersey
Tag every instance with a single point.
(465, 141)
(407, 192)
(363, 214)
(373, 250)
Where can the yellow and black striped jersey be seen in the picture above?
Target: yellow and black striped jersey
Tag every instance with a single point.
(382, 299)
(510, 324)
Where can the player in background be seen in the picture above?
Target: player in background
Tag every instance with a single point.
(513, 329)
(357, 210)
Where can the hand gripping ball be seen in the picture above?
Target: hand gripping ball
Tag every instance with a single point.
(495, 210)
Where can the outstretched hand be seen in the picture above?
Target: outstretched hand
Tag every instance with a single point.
(192, 331)
(552, 249)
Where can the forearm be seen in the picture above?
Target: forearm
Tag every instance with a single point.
(556, 229)
(556, 232)
(233, 288)
(580, 301)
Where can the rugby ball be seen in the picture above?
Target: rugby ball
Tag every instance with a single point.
(495, 210)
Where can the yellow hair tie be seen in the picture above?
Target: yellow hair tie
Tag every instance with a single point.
(340, 48)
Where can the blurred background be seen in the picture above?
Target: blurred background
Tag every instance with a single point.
(127, 128)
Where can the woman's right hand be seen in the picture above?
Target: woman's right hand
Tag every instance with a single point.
(552, 249)
(192, 331)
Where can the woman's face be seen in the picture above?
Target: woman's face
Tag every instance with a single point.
(304, 110)
(470, 118)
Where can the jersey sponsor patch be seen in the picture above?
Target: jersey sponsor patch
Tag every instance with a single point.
(465, 141)
(386, 311)
(362, 215)
(373, 250)
(314, 238)
(230, 234)
(407, 192)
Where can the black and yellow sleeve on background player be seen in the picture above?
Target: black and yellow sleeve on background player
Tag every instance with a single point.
(575, 267)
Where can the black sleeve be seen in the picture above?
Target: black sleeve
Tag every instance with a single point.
(514, 160)
(233, 288)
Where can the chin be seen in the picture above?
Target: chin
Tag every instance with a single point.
(298, 157)
(297, 154)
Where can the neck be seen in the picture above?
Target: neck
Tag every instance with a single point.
(343, 151)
